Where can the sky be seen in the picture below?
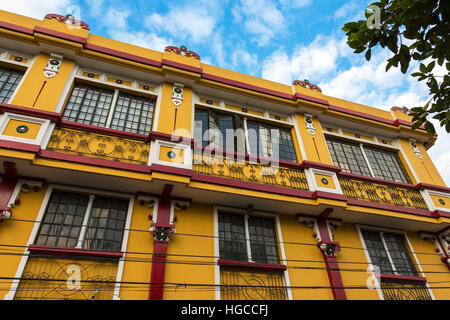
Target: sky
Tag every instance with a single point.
(278, 40)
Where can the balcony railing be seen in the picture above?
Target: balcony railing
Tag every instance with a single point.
(52, 278)
(393, 194)
(101, 146)
(247, 171)
(237, 284)
(404, 290)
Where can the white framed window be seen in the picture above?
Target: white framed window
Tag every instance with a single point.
(111, 101)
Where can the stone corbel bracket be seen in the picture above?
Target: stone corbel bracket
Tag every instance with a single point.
(440, 242)
(21, 186)
(310, 223)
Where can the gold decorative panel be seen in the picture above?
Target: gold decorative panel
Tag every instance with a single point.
(99, 146)
(49, 278)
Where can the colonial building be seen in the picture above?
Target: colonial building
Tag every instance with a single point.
(129, 173)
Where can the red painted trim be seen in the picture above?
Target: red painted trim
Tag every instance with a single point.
(385, 276)
(441, 213)
(19, 146)
(7, 185)
(376, 180)
(74, 252)
(181, 66)
(157, 277)
(61, 35)
(15, 27)
(171, 170)
(361, 114)
(329, 195)
(311, 99)
(52, 116)
(122, 54)
(247, 86)
(252, 186)
(432, 187)
(333, 271)
(399, 122)
(316, 165)
(390, 207)
(251, 265)
(93, 161)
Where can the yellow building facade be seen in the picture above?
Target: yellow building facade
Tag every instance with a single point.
(129, 173)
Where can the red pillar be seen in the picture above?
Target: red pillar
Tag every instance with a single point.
(329, 250)
(162, 229)
(7, 187)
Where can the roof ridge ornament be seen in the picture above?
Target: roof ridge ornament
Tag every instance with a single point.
(307, 84)
(182, 50)
(67, 19)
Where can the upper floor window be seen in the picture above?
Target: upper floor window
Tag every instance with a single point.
(110, 108)
(367, 160)
(247, 238)
(83, 221)
(9, 80)
(389, 252)
(232, 132)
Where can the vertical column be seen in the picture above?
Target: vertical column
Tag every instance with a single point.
(7, 187)
(329, 248)
(162, 228)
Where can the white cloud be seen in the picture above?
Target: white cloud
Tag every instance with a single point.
(141, 39)
(349, 8)
(116, 18)
(311, 62)
(185, 22)
(295, 3)
(36, 9)
(260, 18)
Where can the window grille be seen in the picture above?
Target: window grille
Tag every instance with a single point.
(65, 219)
(9, 80)
(110, 108)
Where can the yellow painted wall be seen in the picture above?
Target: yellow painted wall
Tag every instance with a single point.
(436, 272)
(315, 145)
(138, 264)
(198, 219)
(11, 129)
(303, 273)
(16, 233)
(166, 123)
(50, 89)
(424, 168)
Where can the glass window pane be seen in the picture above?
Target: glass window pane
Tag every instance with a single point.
(348, 156)
(377, 252)
(88, 105)
(106, 224)
(386, 164)
(136, 113)
(60, 225)
(263, 241)
(232, 245)
(9, 80)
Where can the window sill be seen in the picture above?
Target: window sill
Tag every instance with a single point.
(251, 265)
(74, 252)
(396, 277)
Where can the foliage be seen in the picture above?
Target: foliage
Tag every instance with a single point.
(411, 30)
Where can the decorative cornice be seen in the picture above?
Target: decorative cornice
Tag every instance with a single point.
(306, 84)
(67, 19)
(182, 50)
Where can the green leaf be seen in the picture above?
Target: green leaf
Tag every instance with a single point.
(368, 54)
(423, 68)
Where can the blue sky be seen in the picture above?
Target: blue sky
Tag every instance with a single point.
(279, 40)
